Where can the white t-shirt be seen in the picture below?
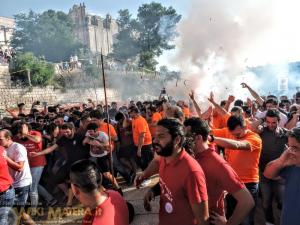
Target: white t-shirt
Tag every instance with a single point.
(96, 151)
(283, 118)
(18, 153)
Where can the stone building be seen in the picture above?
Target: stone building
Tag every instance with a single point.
(7, 26)
(95, 32)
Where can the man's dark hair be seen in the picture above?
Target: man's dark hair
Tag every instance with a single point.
(236, 109)
(21, 104)
(198, 127)
(119, 116)
(66, 126)
(223, 103)
(273, 113)
(133, 109)
(85, 175)
(298, 94)
(174, 126)
(295, 133)
(98, 114)
(19, 126)
(234, 121)
(272, 101)
(238, 102)
(92, 126)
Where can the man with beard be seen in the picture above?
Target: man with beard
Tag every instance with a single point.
(274, 140)
(184, 200)
(73, 149)
(220, 177)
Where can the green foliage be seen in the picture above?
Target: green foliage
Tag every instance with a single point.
(48, 34)
(92, 70)
(41, 72)
(146, 36)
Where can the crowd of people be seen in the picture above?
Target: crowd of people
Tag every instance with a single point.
(212, 165)
(6, 54)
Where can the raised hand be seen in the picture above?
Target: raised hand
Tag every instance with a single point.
(231, 98)
(244, 85)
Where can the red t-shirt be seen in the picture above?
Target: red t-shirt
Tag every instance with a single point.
(113, 211)
(182, 184)
(220, 177)
(5, 178)
(33, 147)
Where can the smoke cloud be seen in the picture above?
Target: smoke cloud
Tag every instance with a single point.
(221, 40)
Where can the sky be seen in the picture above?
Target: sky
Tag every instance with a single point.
(11, 7)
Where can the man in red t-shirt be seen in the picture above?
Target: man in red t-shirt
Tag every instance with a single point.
(220, 177)
(104, 206)
(183, 194)
(32, 141)
(7, 193)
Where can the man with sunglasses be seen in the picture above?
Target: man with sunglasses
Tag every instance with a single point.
(287, 166)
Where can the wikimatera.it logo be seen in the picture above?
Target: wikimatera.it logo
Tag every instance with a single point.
(52, 213)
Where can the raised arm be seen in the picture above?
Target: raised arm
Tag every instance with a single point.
(254, 94)
(197, 107)
(219, 109)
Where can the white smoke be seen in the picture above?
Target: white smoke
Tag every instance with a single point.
(220, 39)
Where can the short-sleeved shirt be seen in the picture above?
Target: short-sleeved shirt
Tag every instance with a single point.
(74, 148)
(5, 178)
(96, 151)
(33, 147)
(291, 199)
(182, 184)
(273, 144)
(113, 211)
(220, 177)
(18, 153)
(244, 162)
(140, 125)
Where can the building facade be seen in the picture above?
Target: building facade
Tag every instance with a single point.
(96, 33)
(7, 26)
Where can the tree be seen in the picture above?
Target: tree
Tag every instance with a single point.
(48, 34)
(126, 46)
(146, 36)
(41, 72)
(156, 29)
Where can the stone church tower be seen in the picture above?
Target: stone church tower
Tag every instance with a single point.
(93, 31)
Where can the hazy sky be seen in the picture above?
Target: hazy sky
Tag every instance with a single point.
(11, 7)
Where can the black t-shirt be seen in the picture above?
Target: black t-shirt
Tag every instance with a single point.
(73, 148)
(272, 146)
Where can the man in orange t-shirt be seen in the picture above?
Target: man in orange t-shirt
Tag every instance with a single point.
(142, 138)
(242, 151)
(155, 117)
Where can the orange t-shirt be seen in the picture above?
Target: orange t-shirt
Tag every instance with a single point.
(112, 132)
(140, 125)
(219, 121)
(154, 119)
(245, 163)
(186, 112)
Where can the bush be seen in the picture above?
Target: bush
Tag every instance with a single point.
(41, 72)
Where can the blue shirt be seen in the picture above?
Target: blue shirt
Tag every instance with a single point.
(291, 200)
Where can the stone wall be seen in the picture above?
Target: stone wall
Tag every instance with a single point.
(11, 96)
